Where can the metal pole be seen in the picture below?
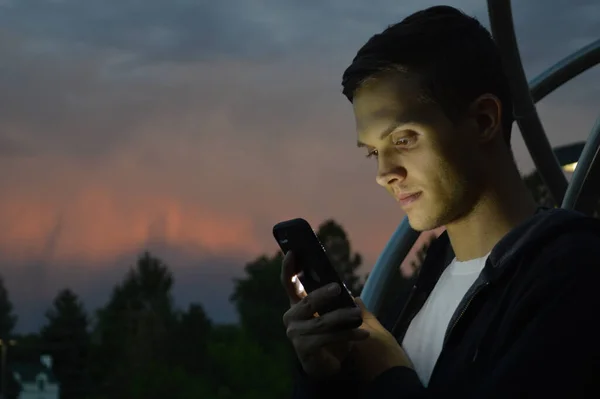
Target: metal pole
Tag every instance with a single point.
(526, 116)
(584, 191)
(565, 70)
(377, 285)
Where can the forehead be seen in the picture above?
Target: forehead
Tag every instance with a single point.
(396, 98)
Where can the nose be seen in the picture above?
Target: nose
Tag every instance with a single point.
(389, 172)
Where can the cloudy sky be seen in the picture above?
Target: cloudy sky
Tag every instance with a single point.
(190, 127)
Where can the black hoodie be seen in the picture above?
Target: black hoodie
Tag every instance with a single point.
(528, 327)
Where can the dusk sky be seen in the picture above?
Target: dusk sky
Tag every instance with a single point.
(190, 127)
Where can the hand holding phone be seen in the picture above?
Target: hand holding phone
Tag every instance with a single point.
(314, 269)
(323, 342)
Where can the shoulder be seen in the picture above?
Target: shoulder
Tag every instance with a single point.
(574, 251)
(581, 235)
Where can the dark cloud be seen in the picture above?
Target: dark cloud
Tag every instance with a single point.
(82, 77)
(200, 30)
(173, 30)
(179, 30)
(550, 31)
(10, 147)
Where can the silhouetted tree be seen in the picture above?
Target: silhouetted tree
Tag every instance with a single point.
(189, 340)
(541, 194)
(8, 319)
(261, 301)
(66, 337)
(538, 189)
(241, 369)
(336, 243)
(132, 330)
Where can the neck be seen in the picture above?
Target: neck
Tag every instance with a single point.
(500, 208)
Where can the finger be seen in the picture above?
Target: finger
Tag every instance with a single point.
(288, 270)
(307, 344)
(310, 304)
(337, 320)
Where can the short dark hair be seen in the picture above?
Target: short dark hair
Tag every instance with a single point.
(452, 54)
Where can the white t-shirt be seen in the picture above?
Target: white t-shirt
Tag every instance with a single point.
(425, 336)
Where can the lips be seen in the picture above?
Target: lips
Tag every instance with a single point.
(405, 196)
(406, 199)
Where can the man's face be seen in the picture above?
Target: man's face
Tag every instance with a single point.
(427, 163)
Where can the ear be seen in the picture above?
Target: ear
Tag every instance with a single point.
(486, 111)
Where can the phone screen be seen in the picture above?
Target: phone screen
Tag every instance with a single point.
(316, 269)
(300, 291)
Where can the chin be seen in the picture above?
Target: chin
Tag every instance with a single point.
(423, 221)
(420, 225)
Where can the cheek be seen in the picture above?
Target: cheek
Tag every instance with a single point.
(440, 178)
(428, 169)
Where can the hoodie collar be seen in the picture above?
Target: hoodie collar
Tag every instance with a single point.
(544, 224)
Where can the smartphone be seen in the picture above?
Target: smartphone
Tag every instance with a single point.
(316, 270)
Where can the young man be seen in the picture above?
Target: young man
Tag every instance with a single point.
(506, 301)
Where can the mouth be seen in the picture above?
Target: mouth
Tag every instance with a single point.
(407, 199)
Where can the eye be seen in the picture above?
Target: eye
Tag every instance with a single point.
(404, 140)
(372, 153)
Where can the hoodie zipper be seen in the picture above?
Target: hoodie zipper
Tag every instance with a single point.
(463, 310)
(449, 331)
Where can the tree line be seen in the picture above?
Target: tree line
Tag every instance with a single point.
(139, 345)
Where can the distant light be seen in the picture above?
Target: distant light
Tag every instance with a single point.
(570, 168)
